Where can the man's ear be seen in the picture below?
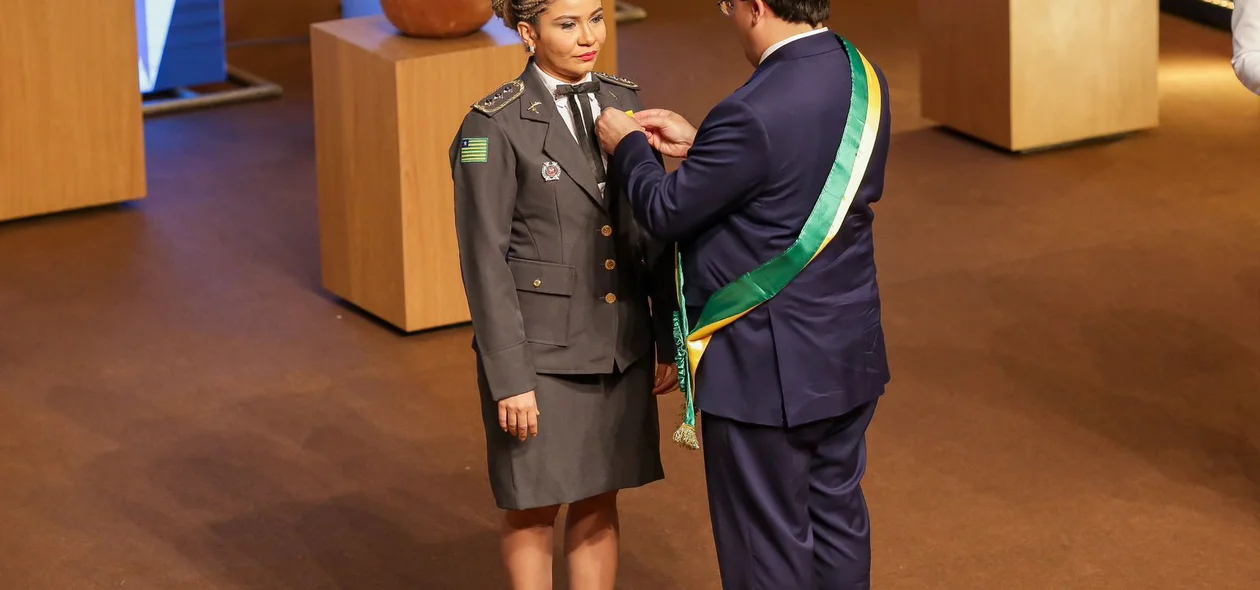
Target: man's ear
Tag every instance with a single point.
(759, 10)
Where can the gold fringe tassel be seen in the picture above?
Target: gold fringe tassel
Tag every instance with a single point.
(686, 436)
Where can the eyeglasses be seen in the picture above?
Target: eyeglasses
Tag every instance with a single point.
(726, 6)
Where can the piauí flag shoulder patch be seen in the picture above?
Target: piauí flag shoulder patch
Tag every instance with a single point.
(474, 150)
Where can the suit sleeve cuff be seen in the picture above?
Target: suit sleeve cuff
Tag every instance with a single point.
(509, 372)
(633, 149)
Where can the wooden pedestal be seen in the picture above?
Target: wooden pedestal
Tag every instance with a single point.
(71, 127)
(1029, 74)
(386, 111)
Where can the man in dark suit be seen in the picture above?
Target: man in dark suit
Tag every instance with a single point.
(771, 210)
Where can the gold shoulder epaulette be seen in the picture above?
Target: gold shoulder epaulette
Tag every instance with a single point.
(502, 97)
(618, 80)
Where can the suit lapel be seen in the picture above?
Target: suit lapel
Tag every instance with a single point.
(559, 144)
(614, 97)
(563, 148)
(611, 96)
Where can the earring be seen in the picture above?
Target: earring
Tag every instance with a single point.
(531, 49)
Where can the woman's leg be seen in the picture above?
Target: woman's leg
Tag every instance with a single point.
(527, 540)
(591, 532)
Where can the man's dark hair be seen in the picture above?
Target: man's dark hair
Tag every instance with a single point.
(810, 12)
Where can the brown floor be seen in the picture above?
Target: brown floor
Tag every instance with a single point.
(1075, 339)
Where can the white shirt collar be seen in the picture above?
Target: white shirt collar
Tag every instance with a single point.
(777, 46)
(562, 106)
(552, 83)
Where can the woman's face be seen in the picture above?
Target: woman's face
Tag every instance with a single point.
(568, 37)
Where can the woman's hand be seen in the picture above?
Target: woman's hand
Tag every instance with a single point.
(518, 415)
(666, 378)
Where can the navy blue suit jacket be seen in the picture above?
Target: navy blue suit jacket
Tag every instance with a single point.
(740, 198)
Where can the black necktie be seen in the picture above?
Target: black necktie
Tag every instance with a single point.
(585, 124)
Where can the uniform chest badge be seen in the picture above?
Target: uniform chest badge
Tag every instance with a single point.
(551, 171)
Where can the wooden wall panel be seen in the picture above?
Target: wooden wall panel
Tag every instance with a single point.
(246, 20)
(265, 19)
(607, 61)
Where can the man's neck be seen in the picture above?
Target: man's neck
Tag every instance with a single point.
(778, 31)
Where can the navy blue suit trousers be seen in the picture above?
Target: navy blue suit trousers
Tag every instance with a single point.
(786, 503)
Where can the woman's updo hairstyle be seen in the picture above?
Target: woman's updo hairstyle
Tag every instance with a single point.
(515, 12)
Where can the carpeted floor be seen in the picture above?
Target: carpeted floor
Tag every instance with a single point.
(1075, 339)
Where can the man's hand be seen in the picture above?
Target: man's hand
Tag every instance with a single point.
(667, 131)
(518, 415)
(613, 126)
(666, 378)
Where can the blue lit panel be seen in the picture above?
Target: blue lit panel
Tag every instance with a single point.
(354, 8)
(181, 43)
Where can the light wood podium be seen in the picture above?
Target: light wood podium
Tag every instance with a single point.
(386, 110)
(71, 126)
(1031, 74)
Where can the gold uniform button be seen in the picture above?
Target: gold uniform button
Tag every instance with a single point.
(537, 283)
(610, 264)
(610, 298)
(606, 230)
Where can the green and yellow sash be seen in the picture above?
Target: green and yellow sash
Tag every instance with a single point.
(751, 290)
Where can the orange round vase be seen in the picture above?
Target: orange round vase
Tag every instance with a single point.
(437, 19)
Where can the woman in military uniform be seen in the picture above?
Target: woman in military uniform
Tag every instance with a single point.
(560, 282)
